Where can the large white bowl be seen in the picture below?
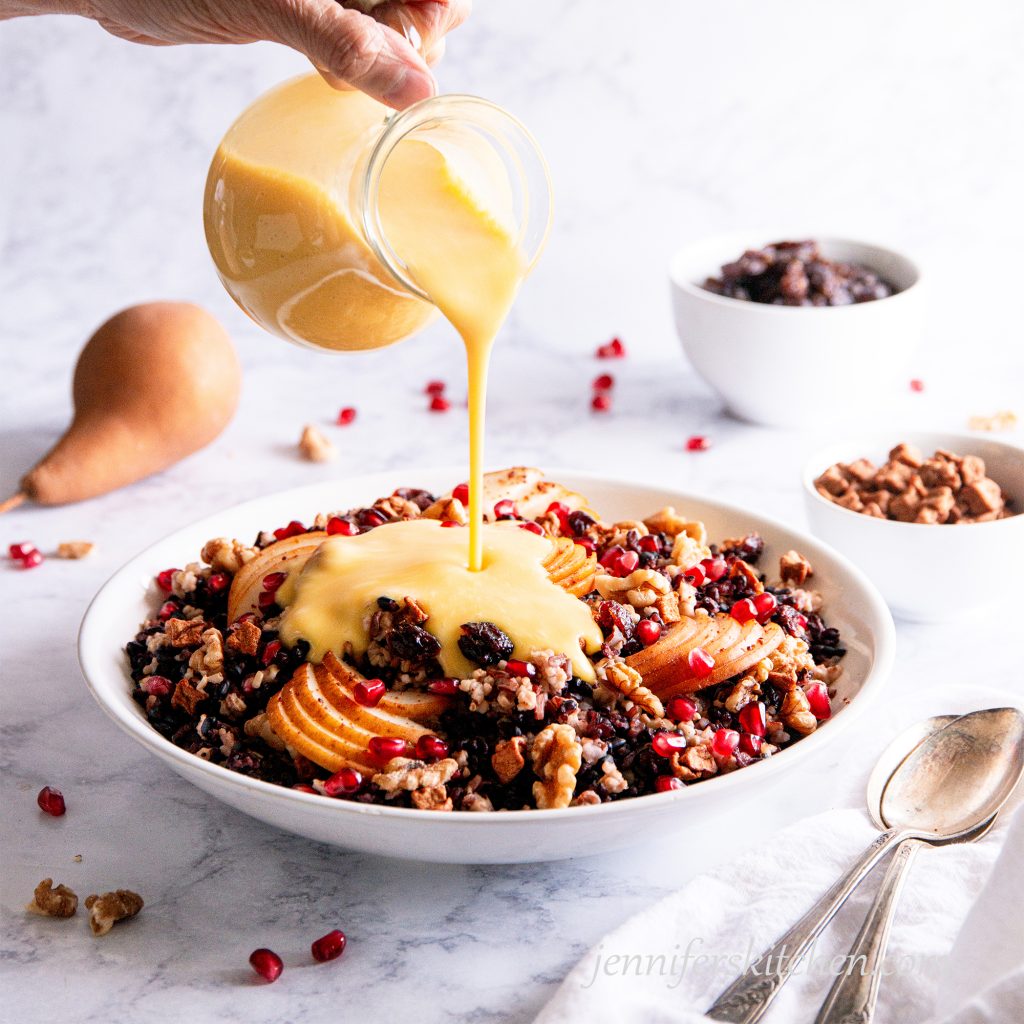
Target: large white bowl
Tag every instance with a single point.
(127, 598)
(927, 573)
(795, 365)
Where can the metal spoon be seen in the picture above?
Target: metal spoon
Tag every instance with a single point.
(854, 993)
(946, 788)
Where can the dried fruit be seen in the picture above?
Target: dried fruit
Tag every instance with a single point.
(329, 946)
(484, 643)
(51, 800)
(346, 416)
(266, 963)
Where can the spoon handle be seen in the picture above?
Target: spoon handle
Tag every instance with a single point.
(853, 993)
(747, 998)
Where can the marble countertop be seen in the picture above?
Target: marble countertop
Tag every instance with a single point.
(105, 146)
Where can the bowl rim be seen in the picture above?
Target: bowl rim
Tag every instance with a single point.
(818, 463)
(93, 645)
(682, 282)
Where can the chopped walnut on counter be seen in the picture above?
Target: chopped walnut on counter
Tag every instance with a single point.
(53, 901)
(557, 756)
(1005, 419)
(75, 549)
(315, 446)
(106, 910)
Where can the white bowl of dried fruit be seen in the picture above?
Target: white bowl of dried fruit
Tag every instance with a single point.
(933, 521)
(692, 720)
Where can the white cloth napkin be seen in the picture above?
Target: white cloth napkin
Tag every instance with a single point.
(946, 962)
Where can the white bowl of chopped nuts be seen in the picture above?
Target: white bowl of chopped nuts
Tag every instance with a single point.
(892, 510)
(787, 352)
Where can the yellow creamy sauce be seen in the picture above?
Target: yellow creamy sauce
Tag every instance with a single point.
(329, 602)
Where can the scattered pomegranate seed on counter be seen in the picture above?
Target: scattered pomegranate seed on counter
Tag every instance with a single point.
(818, 699)
(752, 718)
(32, 559)
(346, 780)
(342, 527)
(346, 416)
(681, 709)
(917, 384)
(329, 946)
(605, 382)
(666, 783)
(614, 349)
(369, 692)
(697, 443)
(461, 493)
(648, 632)
(725, 742)
(19, 552)
(701, 663)
(266, 963)
(434, 387)
(431, 748)
(601, 402)
(665, 744)
(52, 801)
(439, 404)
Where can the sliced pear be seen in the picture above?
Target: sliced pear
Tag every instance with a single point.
(287, 556)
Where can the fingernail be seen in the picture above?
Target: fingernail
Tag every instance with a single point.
(411, 86)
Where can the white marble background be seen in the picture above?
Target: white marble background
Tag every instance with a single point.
(663, 121)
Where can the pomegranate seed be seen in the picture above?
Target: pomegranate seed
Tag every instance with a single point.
(461, 493)
(341, 527)
(587, 544)
(515, 667)
(165, 580)
(766, 604)
(681, 709)
(217, 582)
(665, 744)
(301, 787)
(701, 663)
(743, 611)
(21, 551)
(817, 697)
(532, 528)
(329, 946)
(650, 544)
(752, 718)
(369, 692)
(449, 523)
(156, 686)
(447, 687)
(666, 783)
(431, 748)
(725, 742)
(561, 510)
(601, 402)
(266, 963)
(695, 576)
(32, 559)
(383, 748)
(345, 780)
(648, 632)
(506, 509)
(697, 443)
(293, 529)
(917, 384)
(614, 349)
(750, 744)
(434, 387)
(605, 382)
(51, 800)
(371, 518)
(270, 652)
(620, 562)
(265, 600)
(168, 610)
(714, 568)
(346, 416)
(801, 622)
(272, 581)
(439, 404)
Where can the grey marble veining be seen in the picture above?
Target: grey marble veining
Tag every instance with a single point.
(661, 125)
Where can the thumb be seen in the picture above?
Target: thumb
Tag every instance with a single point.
(350, 49)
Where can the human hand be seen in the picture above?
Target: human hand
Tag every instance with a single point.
(381, 47)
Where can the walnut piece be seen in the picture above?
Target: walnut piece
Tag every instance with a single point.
(557, 756)
(670, 522)
(185, 632)
(106, 910)
(692, 763)
(435, 798)
(642, 587)
(50, 901)
(507, 759)
(624, 678)
(75, 548)
(794, 568)
(1005, 419)
(224, 555)
(315, 446)
(406, 773)
(447, 510)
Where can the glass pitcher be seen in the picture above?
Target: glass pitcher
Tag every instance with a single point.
(292, 208)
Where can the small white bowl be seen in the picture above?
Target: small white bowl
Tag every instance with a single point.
(791, 365)
(927, 573)
(851, 603)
